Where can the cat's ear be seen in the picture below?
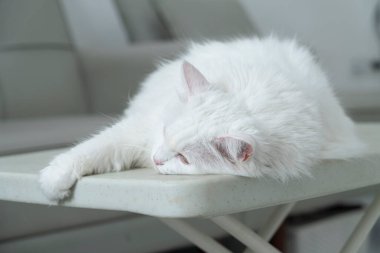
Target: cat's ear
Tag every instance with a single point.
(194, 81)
(233, 149)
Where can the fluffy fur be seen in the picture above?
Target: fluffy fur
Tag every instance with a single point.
(248, 107)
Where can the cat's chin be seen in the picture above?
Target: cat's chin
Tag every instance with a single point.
(166, 170)
(170, 169)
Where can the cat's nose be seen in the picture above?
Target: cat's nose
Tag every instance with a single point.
(161, 156)
(158, 162)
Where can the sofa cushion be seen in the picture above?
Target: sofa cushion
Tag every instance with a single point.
(113, 79)
(200, 20)
(141, 21)
(26, 135)
(39, 70)
(41, 82)
(31, 22)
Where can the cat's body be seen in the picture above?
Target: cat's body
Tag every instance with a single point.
(247, 107)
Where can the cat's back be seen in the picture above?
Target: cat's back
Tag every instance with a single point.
(253, 63)
(251, 50)
(249, 67)
(240, 62)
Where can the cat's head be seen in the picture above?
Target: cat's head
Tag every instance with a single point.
(209, 132)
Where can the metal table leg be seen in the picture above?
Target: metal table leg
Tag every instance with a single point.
(244, 234)
(364, 226)
(200, 239)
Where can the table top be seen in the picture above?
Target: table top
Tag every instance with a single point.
(144, 191)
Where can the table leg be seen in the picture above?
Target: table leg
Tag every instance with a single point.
(364, 226)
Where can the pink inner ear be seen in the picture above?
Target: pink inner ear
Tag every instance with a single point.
(194, 79)
(233, 149)
(246, 153)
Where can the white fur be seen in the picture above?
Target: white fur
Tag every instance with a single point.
(266, 94)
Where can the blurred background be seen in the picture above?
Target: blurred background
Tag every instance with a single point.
(68, 67)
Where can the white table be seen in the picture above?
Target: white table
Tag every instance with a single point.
(174, 197)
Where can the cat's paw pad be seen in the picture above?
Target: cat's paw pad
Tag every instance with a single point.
(56, 181)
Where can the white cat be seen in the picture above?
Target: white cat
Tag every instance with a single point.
(248, 107)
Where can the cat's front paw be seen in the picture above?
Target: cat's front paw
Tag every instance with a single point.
(57, 179)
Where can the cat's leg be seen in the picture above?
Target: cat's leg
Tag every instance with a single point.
(114, 149)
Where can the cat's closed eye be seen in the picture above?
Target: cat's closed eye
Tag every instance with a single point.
(182, 158)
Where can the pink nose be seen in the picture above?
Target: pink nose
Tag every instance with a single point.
(158, 161)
